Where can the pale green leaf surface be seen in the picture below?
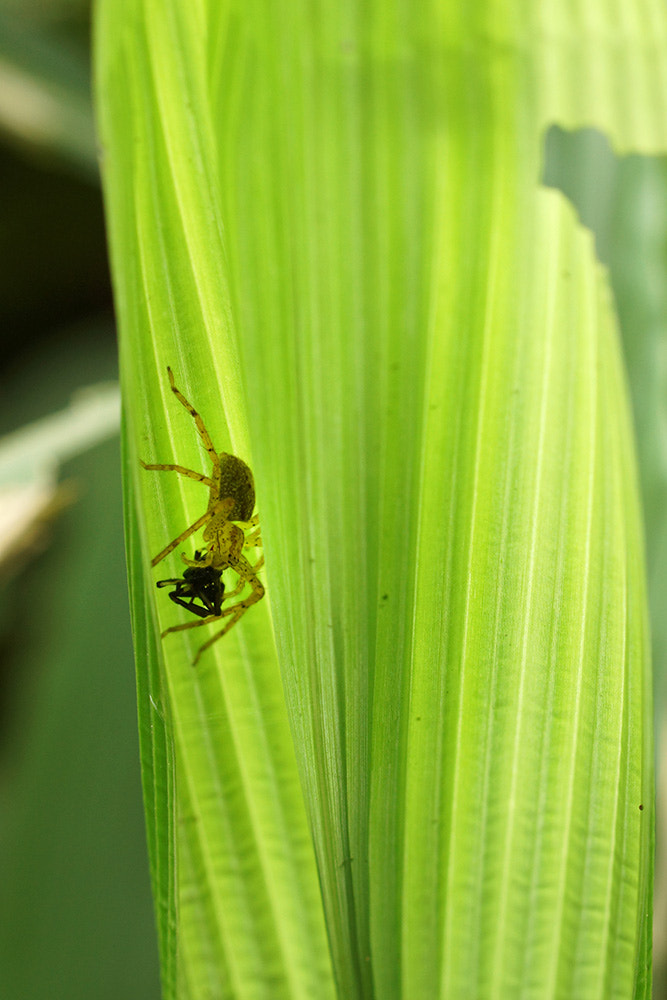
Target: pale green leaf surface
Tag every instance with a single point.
(327, 220)
(157, 758)
(237, 895)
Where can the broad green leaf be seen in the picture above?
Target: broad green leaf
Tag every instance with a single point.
(623, 199)
(327, 220)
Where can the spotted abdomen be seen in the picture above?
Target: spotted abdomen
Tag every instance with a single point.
(235, 480)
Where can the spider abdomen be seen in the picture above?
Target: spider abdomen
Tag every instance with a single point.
(234, 479)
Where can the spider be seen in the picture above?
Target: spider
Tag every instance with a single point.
(230, 504)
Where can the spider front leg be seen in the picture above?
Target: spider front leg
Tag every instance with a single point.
(182, 537)
(199, 523)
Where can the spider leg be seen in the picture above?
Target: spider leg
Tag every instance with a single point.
(183, 536)
(203, 433)
(237, 612)
(242, 582)
(200, 522)
(187, 625)
(190, 473)
(253, 539)
(237, 590)
(232, 593)
(248, 575)
(205, 559)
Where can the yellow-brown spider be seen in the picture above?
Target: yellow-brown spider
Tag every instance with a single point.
(230, 504)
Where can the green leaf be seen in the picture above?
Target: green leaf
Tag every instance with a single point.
(328, 221)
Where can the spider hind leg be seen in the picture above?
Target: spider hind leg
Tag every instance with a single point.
(247, 574)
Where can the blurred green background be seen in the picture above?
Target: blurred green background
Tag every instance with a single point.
(76, 916)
